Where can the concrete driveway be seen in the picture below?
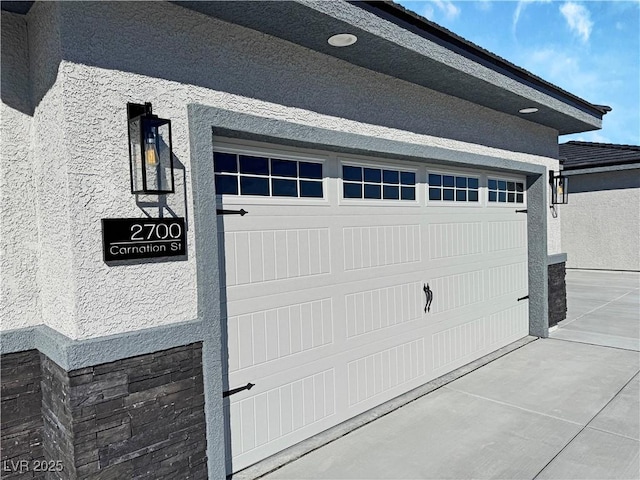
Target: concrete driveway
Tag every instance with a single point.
(551, 409)
(603, 308)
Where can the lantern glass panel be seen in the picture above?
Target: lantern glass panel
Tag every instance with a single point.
(563, 190)
(156, 152)
(135, 154)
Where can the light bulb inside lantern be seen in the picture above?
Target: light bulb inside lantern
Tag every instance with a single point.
(150, 152)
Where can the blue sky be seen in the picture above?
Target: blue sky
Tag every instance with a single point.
(589, 48)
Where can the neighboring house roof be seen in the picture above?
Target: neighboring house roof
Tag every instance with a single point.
(576, 155)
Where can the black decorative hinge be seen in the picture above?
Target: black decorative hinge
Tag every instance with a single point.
(242, 212)
(429, 294)
(521, 211)
(523, 298)
(248, 386)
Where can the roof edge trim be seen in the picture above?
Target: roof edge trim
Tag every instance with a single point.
(414, 23)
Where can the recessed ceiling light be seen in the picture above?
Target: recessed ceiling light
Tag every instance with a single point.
(342, 40)
(528, 110)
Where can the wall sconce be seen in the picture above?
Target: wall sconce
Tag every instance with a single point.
(559, 188)
(150, 153)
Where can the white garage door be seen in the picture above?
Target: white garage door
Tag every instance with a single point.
(325, 283)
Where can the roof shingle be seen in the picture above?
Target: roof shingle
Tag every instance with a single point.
(575, 155)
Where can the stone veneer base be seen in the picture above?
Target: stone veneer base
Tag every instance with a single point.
(136, 418)
(557, 293)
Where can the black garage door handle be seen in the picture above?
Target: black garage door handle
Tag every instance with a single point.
(429, 294)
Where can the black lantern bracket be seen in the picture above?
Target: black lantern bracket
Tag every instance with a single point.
(150, 151)
(559, 188)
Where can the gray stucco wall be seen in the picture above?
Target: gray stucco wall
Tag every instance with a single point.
(19, 291)
(205, 52)
(601, 222)
(93, 64)
(54, 197)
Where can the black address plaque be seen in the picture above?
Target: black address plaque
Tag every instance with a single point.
(136, 238)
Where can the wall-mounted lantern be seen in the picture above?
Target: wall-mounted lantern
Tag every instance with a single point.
(559, 188)
(150, 154)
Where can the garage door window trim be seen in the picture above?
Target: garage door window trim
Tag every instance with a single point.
(255, 174)
(454, 188)
(505, 192)
(378, 183)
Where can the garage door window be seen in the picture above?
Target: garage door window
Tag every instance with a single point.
(376, 183)
(505, 191)
(453, 188)
(253, 175)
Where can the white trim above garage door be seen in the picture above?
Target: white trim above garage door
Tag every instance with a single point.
(325, 296)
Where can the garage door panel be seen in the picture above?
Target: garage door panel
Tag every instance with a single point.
(267, 376)
(313, 290)
(384, 374)
(345, 282)
(509, 278)
(265, 336)
(509, 323)
(506, 235)
(448, 239)
(273, 419)
(249, 223)
(362, 209)
(303, 364)
(383, 245)
(382, 308)
(454, 344)
(456, 290)
(250, 256)
(325, 300)
(458, 344)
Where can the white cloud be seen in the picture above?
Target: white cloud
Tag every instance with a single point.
(446, 7)
(565, 70)
(520, 8)
(578, 18)
(428, 11)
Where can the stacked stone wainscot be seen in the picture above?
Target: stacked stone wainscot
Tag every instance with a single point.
(136, 418)
(21, 421)
(557, 289)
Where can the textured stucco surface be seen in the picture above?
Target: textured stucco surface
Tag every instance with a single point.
(228, 58)
(51, 154)
(537, 215)
(80, 138)
(209, 288)
(601, 222)
(19, 291)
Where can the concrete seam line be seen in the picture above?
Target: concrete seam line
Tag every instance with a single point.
(598, 308)
(593, 344)
(613, 433)
(585, 427)
(506, 404)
